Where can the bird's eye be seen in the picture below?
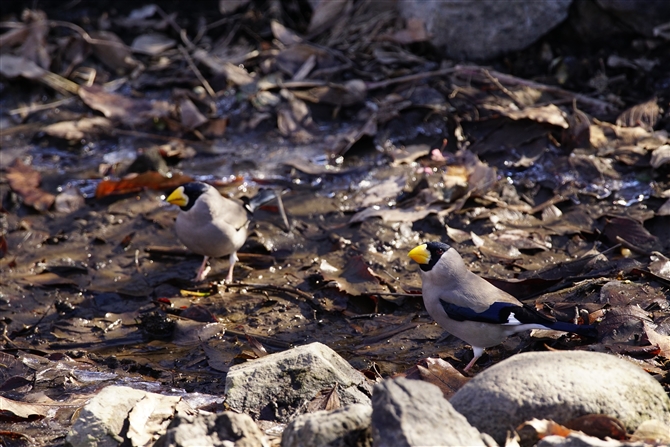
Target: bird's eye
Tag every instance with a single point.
(440, 251)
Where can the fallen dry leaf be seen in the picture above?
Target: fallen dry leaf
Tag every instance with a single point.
(652, 432)
(660, 340)
(152, 44)
(77, 130)
(357, 278)
(327, 400)
(110, 49)
(326, 13)
(25, 181)
(598, 425)
(127, 110)
(440, 373)
(550, 114)
(15, 410)
(46, 279)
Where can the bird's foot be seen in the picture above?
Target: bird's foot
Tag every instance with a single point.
(202, 273)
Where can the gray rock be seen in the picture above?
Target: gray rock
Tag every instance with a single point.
(277, 386)
(482, 29)
(345, 427)
(640, 15)
(559, 386)
(414, 413)
(227, 429)
(120, 414)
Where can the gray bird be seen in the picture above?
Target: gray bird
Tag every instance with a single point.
(473, 309)
(210, 224)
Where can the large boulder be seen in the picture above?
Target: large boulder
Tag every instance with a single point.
(215, 430)
(483, 29)
(277, 386)
(120, 414)
(345, 427)
(409, 413)
(560, 386)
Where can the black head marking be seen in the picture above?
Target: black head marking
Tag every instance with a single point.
(193, 190)
(436, 249)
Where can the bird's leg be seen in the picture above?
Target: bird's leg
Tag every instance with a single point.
(477, 353)
(233, 259)
(203, 270)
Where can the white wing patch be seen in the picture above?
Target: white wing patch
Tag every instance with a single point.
(512, 321)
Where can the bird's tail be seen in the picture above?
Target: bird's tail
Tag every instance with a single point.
(585, 330)
(262, 197)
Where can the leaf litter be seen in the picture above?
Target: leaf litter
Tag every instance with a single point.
(559, 197)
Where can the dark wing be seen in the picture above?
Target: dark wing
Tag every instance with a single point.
(514, 315)
(497, 313)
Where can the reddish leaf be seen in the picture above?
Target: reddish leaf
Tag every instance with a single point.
(598, 425)
(135, 183)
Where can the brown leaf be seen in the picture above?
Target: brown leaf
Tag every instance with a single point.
(660, 340)
(25, 181)
(77, 130)
(326, 13)
(653, 432)
(660, 265)
(12, 409)
(664, 210)
(660, 156)
(294, 57)
(152, 44)
(135, 183)
(440, 373)
(356, 279)
(112, 52)
(34, 47)
(14, 36)
(629, 230)
(294, 120)
(256, 346)
(14, 66)
(216, 128)
(283, 34)
(327, 399)
(347, 94)
(550, 114)
(46, 279)
(190, 115)
(127, 110)
(578, 133)
(644, 115)
(598, 425)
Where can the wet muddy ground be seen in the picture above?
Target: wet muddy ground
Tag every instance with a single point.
(559, 208)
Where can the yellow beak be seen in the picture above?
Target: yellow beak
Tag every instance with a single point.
(420, 254)
(178, 197)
